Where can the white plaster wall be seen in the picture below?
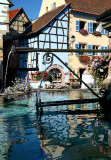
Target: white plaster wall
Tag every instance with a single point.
(4, 1)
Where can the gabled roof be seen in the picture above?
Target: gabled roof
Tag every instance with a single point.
(14, 12)
(11, 4)
(44, 20)
(95, 7)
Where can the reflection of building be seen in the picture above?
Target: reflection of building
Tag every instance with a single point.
(48, 31)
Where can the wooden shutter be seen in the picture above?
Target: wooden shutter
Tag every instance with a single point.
(77, 25)
(76, 47)
(90, 47)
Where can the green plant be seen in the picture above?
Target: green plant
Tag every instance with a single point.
(39, 75)
(99, 68)
(19, 85)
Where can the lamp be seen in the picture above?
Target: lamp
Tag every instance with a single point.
(73, 38)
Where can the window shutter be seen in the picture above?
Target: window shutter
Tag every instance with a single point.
(102, 53)
(76, 47)
(90, 27)
(102, 31)
(106, 32)
(77, 25)
(90, 47)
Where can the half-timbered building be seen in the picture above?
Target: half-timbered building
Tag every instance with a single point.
(88, 33)
(48, 31)
(18, 21)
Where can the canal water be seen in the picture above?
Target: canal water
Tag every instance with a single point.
(54, 135)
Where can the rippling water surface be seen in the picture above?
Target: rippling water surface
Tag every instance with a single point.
(53, 136)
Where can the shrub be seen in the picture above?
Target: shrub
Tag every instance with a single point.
(99, 67)
(19, 85)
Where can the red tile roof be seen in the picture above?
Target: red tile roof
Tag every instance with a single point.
(42, 21)
(12, 13)
(95, 7)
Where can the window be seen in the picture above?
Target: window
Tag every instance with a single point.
(103, 48)
(95, 27)
(46, 9)
(79, 46)
(95, 48)
(80, 25)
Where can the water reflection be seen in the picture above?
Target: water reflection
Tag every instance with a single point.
(75, 137)
(53, 135)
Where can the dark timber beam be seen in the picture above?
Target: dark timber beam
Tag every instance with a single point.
(24, 49)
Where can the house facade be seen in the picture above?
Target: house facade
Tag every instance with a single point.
(58, 23)
(4, 28)
(88, 33)
(18, 22)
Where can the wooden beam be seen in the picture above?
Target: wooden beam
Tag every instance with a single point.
(24, 49)
(69, 102)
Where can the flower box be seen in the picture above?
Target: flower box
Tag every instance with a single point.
(39, 75)
(97, 33)
(84, 59)
(83, 32)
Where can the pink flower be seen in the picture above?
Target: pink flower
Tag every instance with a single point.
(101, 60)
(107, 60)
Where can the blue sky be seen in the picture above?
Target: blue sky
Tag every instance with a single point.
(31, 8)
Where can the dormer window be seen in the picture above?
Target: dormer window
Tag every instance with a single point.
(46, 9)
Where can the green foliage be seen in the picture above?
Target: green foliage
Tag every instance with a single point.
(99, 68)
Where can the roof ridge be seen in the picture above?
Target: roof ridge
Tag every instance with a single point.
(44, 20)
